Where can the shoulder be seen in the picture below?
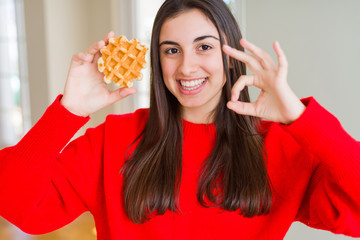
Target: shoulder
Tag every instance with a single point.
(130, 124)
(136, 118)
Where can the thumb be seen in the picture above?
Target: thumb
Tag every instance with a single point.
(121, 93)
(242, 108)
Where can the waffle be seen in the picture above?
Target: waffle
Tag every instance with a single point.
(121, 61)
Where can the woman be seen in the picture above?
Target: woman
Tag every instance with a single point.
(198, 163)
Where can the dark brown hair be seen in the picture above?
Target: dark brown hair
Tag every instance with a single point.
(234, 177)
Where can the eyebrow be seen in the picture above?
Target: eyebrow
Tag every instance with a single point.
(195, 40)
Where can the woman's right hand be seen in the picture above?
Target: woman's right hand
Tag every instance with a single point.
(85, 90)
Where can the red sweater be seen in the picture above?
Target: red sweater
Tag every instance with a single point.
(314, 167)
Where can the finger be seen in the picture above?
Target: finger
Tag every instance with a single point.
(244, 80)
(265, 59)
(80, 58)
(243, 108)
(120, 94)
(93, 49)
(282, 61)
(108, 36)
(96, 58)
(249, 60)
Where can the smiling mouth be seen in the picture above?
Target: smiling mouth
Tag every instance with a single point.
(192, 84)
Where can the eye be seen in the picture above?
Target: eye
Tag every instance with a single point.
(204, 47)
(171, 51)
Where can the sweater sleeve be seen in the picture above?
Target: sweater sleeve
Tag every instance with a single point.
(332, 199)
(42, 187)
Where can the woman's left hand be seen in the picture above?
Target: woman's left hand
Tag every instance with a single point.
(276, 101)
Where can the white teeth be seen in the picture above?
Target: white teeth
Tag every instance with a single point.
(191, 85)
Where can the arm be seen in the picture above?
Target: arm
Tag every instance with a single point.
(34, 194)
(332, 199)
(43, 187)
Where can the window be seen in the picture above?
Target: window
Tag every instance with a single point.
(144, 20)
(14, 108)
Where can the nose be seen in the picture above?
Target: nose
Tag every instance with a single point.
(189, 63)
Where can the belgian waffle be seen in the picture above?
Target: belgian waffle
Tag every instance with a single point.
(121, 61)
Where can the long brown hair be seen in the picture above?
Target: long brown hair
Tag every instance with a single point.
(234, 177)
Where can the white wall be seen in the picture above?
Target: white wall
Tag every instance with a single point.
(72, 26)
(37, 58)
(55, 31)
(68, 29)
(321, 40)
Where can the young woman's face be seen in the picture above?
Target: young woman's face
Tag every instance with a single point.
(191, 61)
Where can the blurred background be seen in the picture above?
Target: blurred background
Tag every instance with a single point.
(38, 38)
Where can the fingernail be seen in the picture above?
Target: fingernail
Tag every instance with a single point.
(227, 47)
(234, 98)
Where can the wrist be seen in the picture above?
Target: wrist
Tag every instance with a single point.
(294, 108)
(296, 111)
(72, 109)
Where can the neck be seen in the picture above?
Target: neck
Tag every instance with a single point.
(198, 115)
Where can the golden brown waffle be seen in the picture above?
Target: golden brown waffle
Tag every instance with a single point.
(122, 60)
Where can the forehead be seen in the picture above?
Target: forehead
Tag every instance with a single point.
(187, 26)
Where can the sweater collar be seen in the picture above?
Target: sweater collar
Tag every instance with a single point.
(198, 130)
